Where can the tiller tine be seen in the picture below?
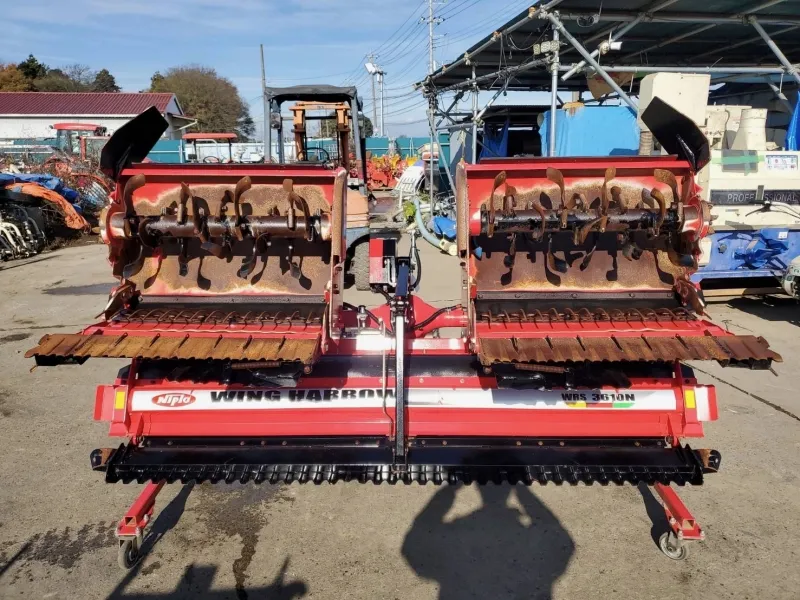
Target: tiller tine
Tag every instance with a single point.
(557, 177)
(186, 195)
(668, 178)
(242, 186)
(183, 257)
(118, 299)
(605, 201)
(662, 208)
(133, 184)
(260, 247)
(556, 265)
(689, 295)
(600, 224)
(296, 199)
(134, 268)
(499, 180)
(630, 250)
(588, 258)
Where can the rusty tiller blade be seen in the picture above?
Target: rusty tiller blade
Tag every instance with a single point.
(557, 177)
(689, 295)
(242, 186)
(198, 220)
(630, 250)
(216, 250)
(556, 264)
(249, 262)
(186, 195)
(260, 247)
(509, 201)
(183, 257)
(599, 224)
(499, 180)
(569, 206)
(668, 178)
(294, 270)
(534, 205)
(297, 199)
(616, 197)
(117, 299)
(508, 261)
(133, 269)
(291, 217)
(133, 184)
(662, 208)
(611, 172)
(588, 257)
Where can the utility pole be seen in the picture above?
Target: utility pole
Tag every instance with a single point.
(383, 107)
(267, 128)
(374, 100)
(432, 21)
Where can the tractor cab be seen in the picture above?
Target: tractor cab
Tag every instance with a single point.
(343, 105)
(80, 139)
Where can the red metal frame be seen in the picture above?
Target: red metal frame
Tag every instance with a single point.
(421, 421)
(132, 524)
(681, 521)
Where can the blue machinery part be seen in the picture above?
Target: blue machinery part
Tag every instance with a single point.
(750, 253)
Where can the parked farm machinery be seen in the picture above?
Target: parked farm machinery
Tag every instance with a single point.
(246, 365)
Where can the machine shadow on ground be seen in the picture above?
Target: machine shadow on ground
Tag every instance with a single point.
(196, 581)
(769, 308)
(497, 551)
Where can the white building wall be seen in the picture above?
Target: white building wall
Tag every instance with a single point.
(20, 126)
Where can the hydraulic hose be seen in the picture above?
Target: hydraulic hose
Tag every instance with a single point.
(443, 245)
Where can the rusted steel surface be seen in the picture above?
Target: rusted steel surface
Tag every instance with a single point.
(560, 226)
(157, 346)
(585, 315)
(220, 317)
(616, 347)
(221, 230)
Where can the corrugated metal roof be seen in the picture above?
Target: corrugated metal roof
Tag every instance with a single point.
(683, 33)
(80, 103)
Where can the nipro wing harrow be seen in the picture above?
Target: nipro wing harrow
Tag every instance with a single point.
(246, 364)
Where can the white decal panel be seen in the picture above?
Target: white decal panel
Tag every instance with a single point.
(189, 399)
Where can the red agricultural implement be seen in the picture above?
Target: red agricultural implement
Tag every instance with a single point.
(247, 365)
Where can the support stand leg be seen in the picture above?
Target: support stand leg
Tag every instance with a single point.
(130, 530)
(683, 525)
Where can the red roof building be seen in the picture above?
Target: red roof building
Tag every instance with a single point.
(32, 114)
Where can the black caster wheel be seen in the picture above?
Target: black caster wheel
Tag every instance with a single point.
(668, 542)
(128, 554)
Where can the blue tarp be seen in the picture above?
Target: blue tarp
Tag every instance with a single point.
(792, 133)
(442, 226)
(593, 131)
(495, 141)
(48, 181)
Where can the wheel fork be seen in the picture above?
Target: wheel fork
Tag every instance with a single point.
(130, 529)
(683, 526)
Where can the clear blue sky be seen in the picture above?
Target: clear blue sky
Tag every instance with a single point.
(305, 41)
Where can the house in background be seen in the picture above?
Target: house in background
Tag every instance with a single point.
(32, 114)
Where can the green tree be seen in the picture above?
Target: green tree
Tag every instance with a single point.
(208, 97)
(31, 68)
(12, 79)
(104, 82)
(72, 78)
